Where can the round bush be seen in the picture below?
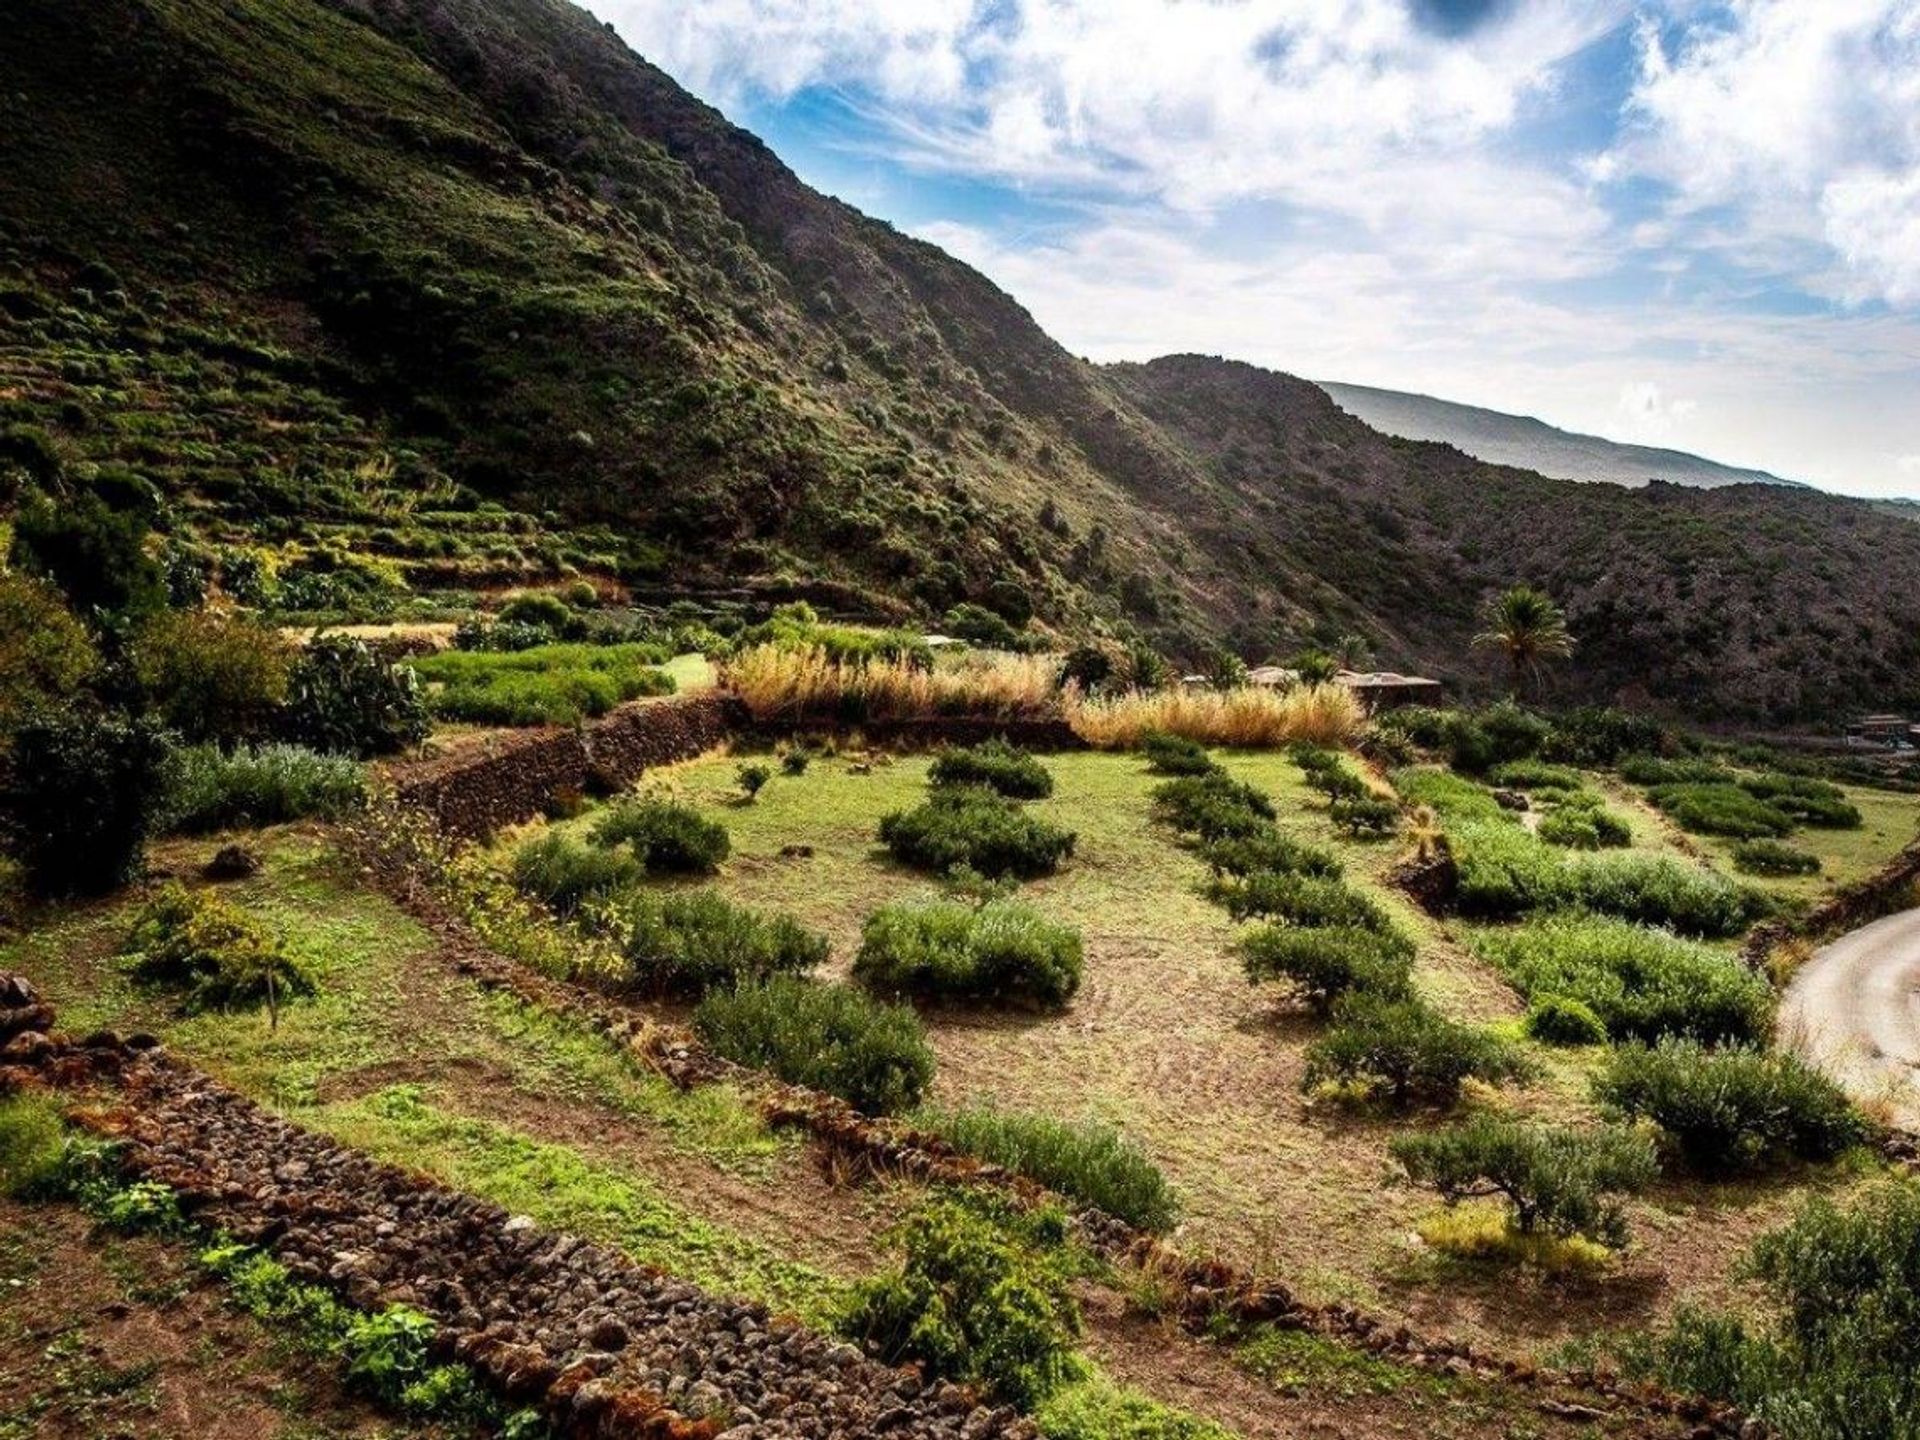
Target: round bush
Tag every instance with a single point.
(1406, 1052)
(563, 873)
(998, 766)
(1002, 950)
(690, 942)
(1560, 1020)
(834, 1038)
(665, 836)
(1269, 850)
(973, 827)
(1297, 900)
(1322, 964)
(85, 790)
(1771, 857)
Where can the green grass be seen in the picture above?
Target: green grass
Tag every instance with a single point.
(546, 685)
(564, 1190)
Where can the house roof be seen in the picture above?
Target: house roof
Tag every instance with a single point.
(1383, 680)
(1272, 675)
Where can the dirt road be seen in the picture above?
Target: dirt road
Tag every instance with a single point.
(1854, 1009)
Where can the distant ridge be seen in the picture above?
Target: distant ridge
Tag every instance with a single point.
(1531, 444)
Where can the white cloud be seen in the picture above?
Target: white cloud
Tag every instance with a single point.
(1648, 413)
(1803, 117)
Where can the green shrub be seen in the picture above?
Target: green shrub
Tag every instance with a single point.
(1835, 1352)
(690, 942)
(795, 762)
(84, 791)
(1503, 871)
(667, 837)
(975, 828)
(33, 1146)
(541, 608)
(1552, 1179)
(1560, 1020)
(1642, 984)
(46, 655)
(974, 1301)
(1364, 815)
(1002, 950)
(1269, 850)
(563, 873)
(1720, 809)
(752, 778)
(998, 766)
(1322, 964)
(1513, 732)
(93, 550)
(1593, 735)
(1732, 1108)
(1585, 827)
(342, 699)
(1405, 1051)
(1813, 802)
(1083, 1160)
(1175, 755)
(1659, 770)
(1450, 796)
(1297, 900)
(978, 625)
(1212, 806)
(209, 676)
(211, 951)
(1770, 857)
(834, 1038)
(1533, 775)
(256, 786)
(543, 684)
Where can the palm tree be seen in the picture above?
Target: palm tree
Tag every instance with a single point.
(1526, 624)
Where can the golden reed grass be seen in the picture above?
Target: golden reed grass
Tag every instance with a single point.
(1252, 716)
(803, 684)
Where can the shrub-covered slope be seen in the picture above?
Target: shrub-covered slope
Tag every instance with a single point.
(361, 269)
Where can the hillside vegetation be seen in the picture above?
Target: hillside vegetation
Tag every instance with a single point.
(467, 286)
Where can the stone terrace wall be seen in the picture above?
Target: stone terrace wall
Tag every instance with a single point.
(1846, 909)
(515, 777)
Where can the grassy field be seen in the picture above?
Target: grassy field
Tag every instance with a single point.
(1169, 1042)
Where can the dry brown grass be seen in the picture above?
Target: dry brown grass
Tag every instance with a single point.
(803, 684)
(1250, 716)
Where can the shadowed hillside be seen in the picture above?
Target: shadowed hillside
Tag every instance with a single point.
(364, 270)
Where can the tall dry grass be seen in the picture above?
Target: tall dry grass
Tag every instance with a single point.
(804, 684)
(1251, 716)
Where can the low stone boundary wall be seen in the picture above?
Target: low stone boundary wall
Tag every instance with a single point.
(602, 1346)
(515, 777)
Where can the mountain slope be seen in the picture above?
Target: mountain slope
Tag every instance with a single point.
(468, 283)
(1529, 444)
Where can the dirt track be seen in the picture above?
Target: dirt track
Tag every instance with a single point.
(1854, 1009)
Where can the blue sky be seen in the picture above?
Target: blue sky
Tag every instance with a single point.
(1692, 223)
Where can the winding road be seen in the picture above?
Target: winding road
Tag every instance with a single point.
(1854, 1010)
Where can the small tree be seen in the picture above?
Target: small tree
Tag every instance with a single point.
(1527, 627)
(345, 700)
(86, 790)
(212, 677)
(1407, 1051)
(1552, 1178)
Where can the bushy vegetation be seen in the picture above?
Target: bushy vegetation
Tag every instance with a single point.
(1642, 984)
(1653, 770)
(690, 942)
(1552, 1178)
(342, 699)
(1323, 963)
(809, 685)
(211, 952)
(872, 1054)
(1734, 1108)
(208, 789)
(84, 790)
(212, 676)
(1561, 1020)
(46, 655)
(1175, 754)
(1806, 799)
(1292, 899)
(1534, 775)
(966, 826)
(545, 685)
(1771, 857)
(1476, 742)
(563, 873)
(1835, 1354)
(1213, 806)
(667, 837)
(1001, 950)
(998, 766)
(1082, 1160)
(797, 628)
(1097, 1409)
(1720, 809)
(1405, 1052)
(1505, 872)
(1364, 816)
(1251, 716)
(32, 1145)
(979, 1298)
(1269, 849)
(1582, 822)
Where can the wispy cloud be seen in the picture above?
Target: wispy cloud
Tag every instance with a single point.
(1691, 221)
